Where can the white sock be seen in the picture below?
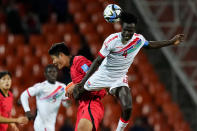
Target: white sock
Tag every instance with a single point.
(122, 124)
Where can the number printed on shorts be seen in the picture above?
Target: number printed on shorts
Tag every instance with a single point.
(125, 80)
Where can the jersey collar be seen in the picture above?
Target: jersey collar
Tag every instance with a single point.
(50, 83)
(71, 60)
(4, 94)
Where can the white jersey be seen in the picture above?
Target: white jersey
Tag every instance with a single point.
(118, 57)
(48, 99)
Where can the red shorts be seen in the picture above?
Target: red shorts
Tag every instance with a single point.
(92, 110)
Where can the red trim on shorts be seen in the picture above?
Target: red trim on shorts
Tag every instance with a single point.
(124, 120)
(101, 55)
(28, 93)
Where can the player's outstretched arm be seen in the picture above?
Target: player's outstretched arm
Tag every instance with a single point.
(7, 120)
(24, 101)
(176, 40)
(19, 120)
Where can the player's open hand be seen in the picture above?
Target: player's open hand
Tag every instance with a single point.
(22, 120)
(177, 39)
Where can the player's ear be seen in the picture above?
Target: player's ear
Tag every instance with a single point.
(61, 54)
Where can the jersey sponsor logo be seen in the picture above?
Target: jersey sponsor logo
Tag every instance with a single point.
(125, 80)
(89, 83)
(119, 47)
(85, 68)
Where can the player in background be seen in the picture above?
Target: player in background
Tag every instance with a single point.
(6, 103)
(90, 109)
(109, 69)
(49, 95)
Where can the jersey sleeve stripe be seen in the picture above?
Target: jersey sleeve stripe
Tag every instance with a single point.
(101, 55)
(106, 43)
(28, 93)
(146, 43)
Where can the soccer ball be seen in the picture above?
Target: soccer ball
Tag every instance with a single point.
(112, 13)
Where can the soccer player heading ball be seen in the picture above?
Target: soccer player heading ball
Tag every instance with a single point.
(109, 69)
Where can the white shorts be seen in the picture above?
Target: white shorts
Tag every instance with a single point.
(39, 126)
(99, 81)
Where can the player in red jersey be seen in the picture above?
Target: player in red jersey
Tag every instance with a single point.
(90, 110)
(6, 102)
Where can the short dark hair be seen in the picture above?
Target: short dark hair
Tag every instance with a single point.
(57, 48)
(128, 18)
(3, 73)
(49, 66)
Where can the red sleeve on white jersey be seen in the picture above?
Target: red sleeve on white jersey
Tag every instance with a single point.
(28, 93)
(34, 90)
(107, 45)
(82, 64)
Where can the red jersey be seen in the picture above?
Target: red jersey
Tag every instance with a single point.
(5, 108)
(79, 67)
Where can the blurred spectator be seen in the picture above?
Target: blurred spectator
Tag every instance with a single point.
(85, 51)
(60, 7)
(32, 23)
(13, 20)
(39, 7)
(141, 125)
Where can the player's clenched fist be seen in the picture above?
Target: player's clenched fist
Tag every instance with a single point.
(29, 115)
(78, 91)
(22, 120)
(69, 89)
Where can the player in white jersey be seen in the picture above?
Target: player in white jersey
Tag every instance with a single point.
(115, 58)
(49, 95)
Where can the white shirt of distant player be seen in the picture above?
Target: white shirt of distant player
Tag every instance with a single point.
(48, 99)
(119, 56)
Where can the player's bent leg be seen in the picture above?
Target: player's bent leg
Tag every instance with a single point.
(124, 96)
(84, 125)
